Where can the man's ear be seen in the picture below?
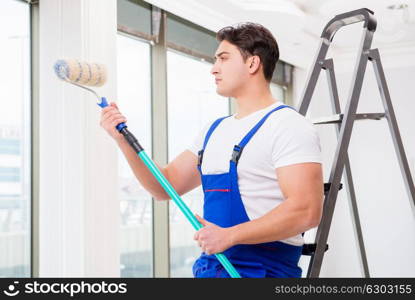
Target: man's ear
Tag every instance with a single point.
(254, 62)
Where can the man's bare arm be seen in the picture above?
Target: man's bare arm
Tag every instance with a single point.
(302, 187)
(181, 172)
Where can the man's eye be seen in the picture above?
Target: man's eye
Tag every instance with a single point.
(220, 58)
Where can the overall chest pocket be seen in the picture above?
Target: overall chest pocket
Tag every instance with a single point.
(217, 199)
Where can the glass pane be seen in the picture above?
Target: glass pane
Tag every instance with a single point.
(193, 37)
(15, 139)
(134, 15)
(134, 102)
(191, 104)
(277, 91)
(279, 72)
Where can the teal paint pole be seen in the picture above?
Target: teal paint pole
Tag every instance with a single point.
(132, 141)
(184, 208)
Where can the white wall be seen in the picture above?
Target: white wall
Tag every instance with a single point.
(387, 220)
(79, 209)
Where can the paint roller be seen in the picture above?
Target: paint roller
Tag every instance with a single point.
(84, 74)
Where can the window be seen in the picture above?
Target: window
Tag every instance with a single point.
(191, 100)
(191, 104)
(134, 101)
(278, 92)
(15, 140)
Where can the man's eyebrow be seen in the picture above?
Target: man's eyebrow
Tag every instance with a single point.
(219, 54)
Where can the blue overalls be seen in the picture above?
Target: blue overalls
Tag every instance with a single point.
(223, 206)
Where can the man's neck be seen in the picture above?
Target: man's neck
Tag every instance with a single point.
(253, 100)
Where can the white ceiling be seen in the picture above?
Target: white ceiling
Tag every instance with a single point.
(297, 24)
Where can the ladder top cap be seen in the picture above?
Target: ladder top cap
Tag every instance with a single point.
(351, 17)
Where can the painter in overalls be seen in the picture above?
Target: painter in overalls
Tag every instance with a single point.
(224, 207)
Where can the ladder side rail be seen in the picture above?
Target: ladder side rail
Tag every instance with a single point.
(331, 79)
(341, 153)
(393, 126)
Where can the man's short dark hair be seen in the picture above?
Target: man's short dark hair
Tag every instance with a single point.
(253, 39)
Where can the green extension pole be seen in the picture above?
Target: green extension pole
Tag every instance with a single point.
(184, 208)
(122, 128)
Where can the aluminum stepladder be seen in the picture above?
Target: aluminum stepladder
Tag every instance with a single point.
(345, 123)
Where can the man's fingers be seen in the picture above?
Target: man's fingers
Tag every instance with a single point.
(201, 220)
(113, 117)
(109, 113)
(118, 121)
(107, 109)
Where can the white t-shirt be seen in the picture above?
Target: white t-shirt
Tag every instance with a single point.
(285, 138)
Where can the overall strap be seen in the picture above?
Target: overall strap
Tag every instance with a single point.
(211, 129)
(207, 137)
(237, 149)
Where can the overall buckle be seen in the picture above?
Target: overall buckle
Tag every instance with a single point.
(199, 157)
(236, 154)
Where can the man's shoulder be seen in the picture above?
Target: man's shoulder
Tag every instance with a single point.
(288, 119)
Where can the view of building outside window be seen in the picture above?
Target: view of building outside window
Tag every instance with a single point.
(134, 102)
(191, 104)
(15, 139)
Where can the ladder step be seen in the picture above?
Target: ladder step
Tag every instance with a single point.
(309, 249)
(328, 185)
(339, 118)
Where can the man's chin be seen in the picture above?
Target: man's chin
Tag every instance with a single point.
(222, 93)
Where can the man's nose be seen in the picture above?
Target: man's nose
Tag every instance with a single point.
(214, 69)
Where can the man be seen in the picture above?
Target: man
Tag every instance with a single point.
(260, 168)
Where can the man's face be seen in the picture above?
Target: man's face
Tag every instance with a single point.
(230, 70)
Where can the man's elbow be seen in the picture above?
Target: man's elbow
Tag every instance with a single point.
(314, 220)
(164, 196)
(161, 197)
(314, 216)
